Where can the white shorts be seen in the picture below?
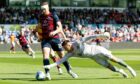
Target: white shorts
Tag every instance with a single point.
(93, 50)
(101, 59)
(102, 56)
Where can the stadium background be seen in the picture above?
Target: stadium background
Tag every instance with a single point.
(131, 5)
(73, 3)
(20, 69)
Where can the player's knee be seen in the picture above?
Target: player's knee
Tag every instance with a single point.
(46, 55)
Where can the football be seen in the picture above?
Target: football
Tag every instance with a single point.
(40, 76)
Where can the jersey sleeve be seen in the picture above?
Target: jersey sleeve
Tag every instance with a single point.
(84, 39)
(55, 16)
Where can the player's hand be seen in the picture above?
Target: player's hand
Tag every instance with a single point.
(47, 67)
(52, 34)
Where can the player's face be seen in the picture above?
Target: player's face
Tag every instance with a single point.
(68, 47)
(44, 8)
(22, 32)
(43, 11)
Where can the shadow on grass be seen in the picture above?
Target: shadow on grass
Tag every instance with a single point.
(20, 73)
(61, 79)
(57, 79)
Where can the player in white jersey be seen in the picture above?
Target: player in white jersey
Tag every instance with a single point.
(98, 53)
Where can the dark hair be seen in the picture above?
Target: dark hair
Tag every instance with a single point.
(44, 3)
(65, 42)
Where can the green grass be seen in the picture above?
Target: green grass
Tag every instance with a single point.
(20, 69)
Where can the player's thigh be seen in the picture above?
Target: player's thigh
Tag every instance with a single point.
(52, 53)
(60, 53)
(114, 59)
(109, 56)
(25, 50)
(101, 60)
(46, 47)
(56, 46)
(28, 48)
(46, 52)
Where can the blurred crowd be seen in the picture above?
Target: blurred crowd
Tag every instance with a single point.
(71, 16)
(19, 15)
(115, 33)
(119, 25)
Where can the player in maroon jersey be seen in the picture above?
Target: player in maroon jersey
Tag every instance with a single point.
(23, 43)
(51, 27)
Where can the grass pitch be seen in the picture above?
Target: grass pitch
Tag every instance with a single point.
(19, 68)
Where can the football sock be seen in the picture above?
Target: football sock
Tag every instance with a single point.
(46, 62)
(122, 63)
(67, 66)
(113, 68)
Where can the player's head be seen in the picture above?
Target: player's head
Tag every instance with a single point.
(67, 45)
(21, 31)
(45, 7)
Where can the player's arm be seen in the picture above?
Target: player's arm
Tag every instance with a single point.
(64, 36)
(58, 26)
(36, 30)
(65, 58)
(84, 39)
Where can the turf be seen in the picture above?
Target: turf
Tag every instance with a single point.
(21, 69)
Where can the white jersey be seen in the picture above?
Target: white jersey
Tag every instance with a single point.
(82, 49)
(88, 50)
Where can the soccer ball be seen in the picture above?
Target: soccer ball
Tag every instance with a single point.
(40, 75)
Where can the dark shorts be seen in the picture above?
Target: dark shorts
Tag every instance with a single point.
(54, 43)
(25, 47)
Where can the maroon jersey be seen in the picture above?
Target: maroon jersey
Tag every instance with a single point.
(22, 40)
(48, 24)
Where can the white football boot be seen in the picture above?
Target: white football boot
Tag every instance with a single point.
(123, 73)
(48, 76)
(132, 71)
(60, 72)
(74, 75)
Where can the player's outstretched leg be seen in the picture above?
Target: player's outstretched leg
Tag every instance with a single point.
(67, 66)
(122, 63)
(106, 64)
(115, 69)
(54, 58)
(31, 52)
